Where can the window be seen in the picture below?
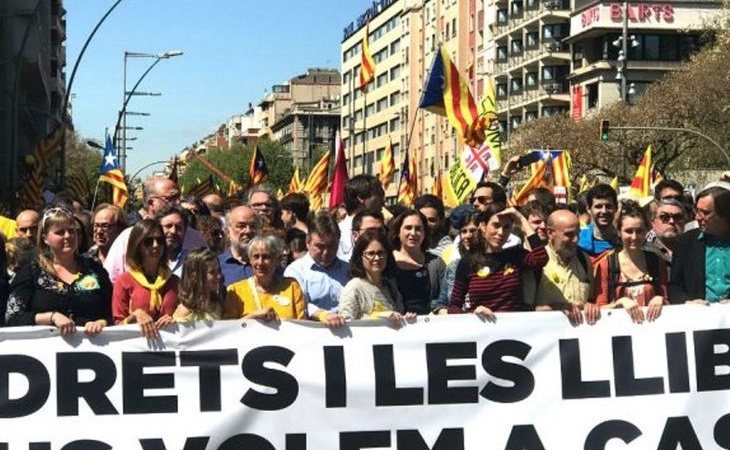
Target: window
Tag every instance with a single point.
(532, 4)
(651, 47)
(381, 80)
(394, 73)
(370, 109)
(394, 98)
(515, 122)
(501, 90)
(532, 40)
(516, 86)
(555, 32)
(502, 17)
(394, 124)
(531, 80)
(516, 47)
(516, 9)
(394, 47)
(453, 27)
(501, 54)
(382, 104)
(530, 116)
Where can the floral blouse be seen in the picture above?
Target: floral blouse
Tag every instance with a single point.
(33, 291)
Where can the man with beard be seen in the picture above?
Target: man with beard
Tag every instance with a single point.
(701, 262)
(667, 227)
(106, 224)
(600, 236)
(566, 282)
(26, 225)
(242, 225)
(174, 224)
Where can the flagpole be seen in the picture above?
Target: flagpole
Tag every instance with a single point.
(364, 123)
(351, 125)
(96, 190)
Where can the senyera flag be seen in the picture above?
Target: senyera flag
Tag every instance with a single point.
(367, 63)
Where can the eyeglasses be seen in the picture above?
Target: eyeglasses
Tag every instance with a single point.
(148, 241)
(482, 200)
(103, 226)
(261, 205)
(172, 198)
(666, 217)
(373, 255)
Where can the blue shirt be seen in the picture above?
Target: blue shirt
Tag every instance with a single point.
(591, 244)
(232, 269)
(321, 285)
(717, 268)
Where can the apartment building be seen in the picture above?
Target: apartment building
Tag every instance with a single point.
(660, 37)
(30, 108)
(529, 61)
(404, 37)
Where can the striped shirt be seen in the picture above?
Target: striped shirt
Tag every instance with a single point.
(497, 284)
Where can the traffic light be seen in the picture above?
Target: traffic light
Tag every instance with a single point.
(604, 130)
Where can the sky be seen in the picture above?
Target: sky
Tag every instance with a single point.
(234, 51)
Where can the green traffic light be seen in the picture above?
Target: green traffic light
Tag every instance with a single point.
(604, 137)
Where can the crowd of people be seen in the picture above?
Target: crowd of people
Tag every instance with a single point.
(185, 260)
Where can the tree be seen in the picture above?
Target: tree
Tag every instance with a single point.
(695, 96)
(235, 161)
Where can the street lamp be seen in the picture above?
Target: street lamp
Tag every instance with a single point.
(127, 95)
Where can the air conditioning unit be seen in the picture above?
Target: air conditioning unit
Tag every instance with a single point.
(553, 46)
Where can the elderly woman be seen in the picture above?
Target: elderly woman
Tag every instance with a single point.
(58, 287)
(266, 295)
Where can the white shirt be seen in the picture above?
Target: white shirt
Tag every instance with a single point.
(344, 250)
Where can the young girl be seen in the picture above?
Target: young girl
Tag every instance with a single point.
(632, 277)
(201, 290)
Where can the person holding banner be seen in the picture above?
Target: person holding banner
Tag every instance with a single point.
(266, 295)
(633, 276)
(489, 276)
(372, 293)
(58, 287)
(201, 291)
(418, 273)
(147, 292)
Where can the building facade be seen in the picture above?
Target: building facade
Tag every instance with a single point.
(32, 82)
(404, 36)
(660, 37)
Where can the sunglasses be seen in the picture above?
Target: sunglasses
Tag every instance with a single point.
(482, 199)
(148, 241)
(666, 218)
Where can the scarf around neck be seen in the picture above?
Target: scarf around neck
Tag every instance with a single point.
(163, 274)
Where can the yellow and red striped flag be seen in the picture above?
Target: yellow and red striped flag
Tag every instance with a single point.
(437, 188)
(536, 180)
(387, 165)
(447, 93)
(406, 187)
(257, 170)
(112, 174)
(316, 183)
(641, 184)
(295, 185)
(367, 63)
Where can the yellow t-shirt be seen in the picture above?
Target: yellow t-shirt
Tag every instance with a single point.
(287, 301)
(7, 227)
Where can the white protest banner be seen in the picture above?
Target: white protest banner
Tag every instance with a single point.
(526, 381)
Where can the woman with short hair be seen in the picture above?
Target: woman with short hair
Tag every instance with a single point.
(57, 286)
(147, 292)
(266, 295)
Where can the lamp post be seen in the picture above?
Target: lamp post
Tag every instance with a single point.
(127, 95)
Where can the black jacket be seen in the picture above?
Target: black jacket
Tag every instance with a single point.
(688, 269)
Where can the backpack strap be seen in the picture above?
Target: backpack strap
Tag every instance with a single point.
(614, 271)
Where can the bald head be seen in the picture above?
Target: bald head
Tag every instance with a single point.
(26, 224)
(563, 228)
(214, 202)
(160, 192)
(243, 224)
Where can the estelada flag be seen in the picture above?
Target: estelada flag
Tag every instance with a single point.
(257, 170)
(446, 93)
(112, 174)
(537, 179)
(367, 63)
(337, 188)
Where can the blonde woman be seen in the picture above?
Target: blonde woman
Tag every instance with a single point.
(59, 287)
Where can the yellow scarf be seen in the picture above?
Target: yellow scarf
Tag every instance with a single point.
(163, 274)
